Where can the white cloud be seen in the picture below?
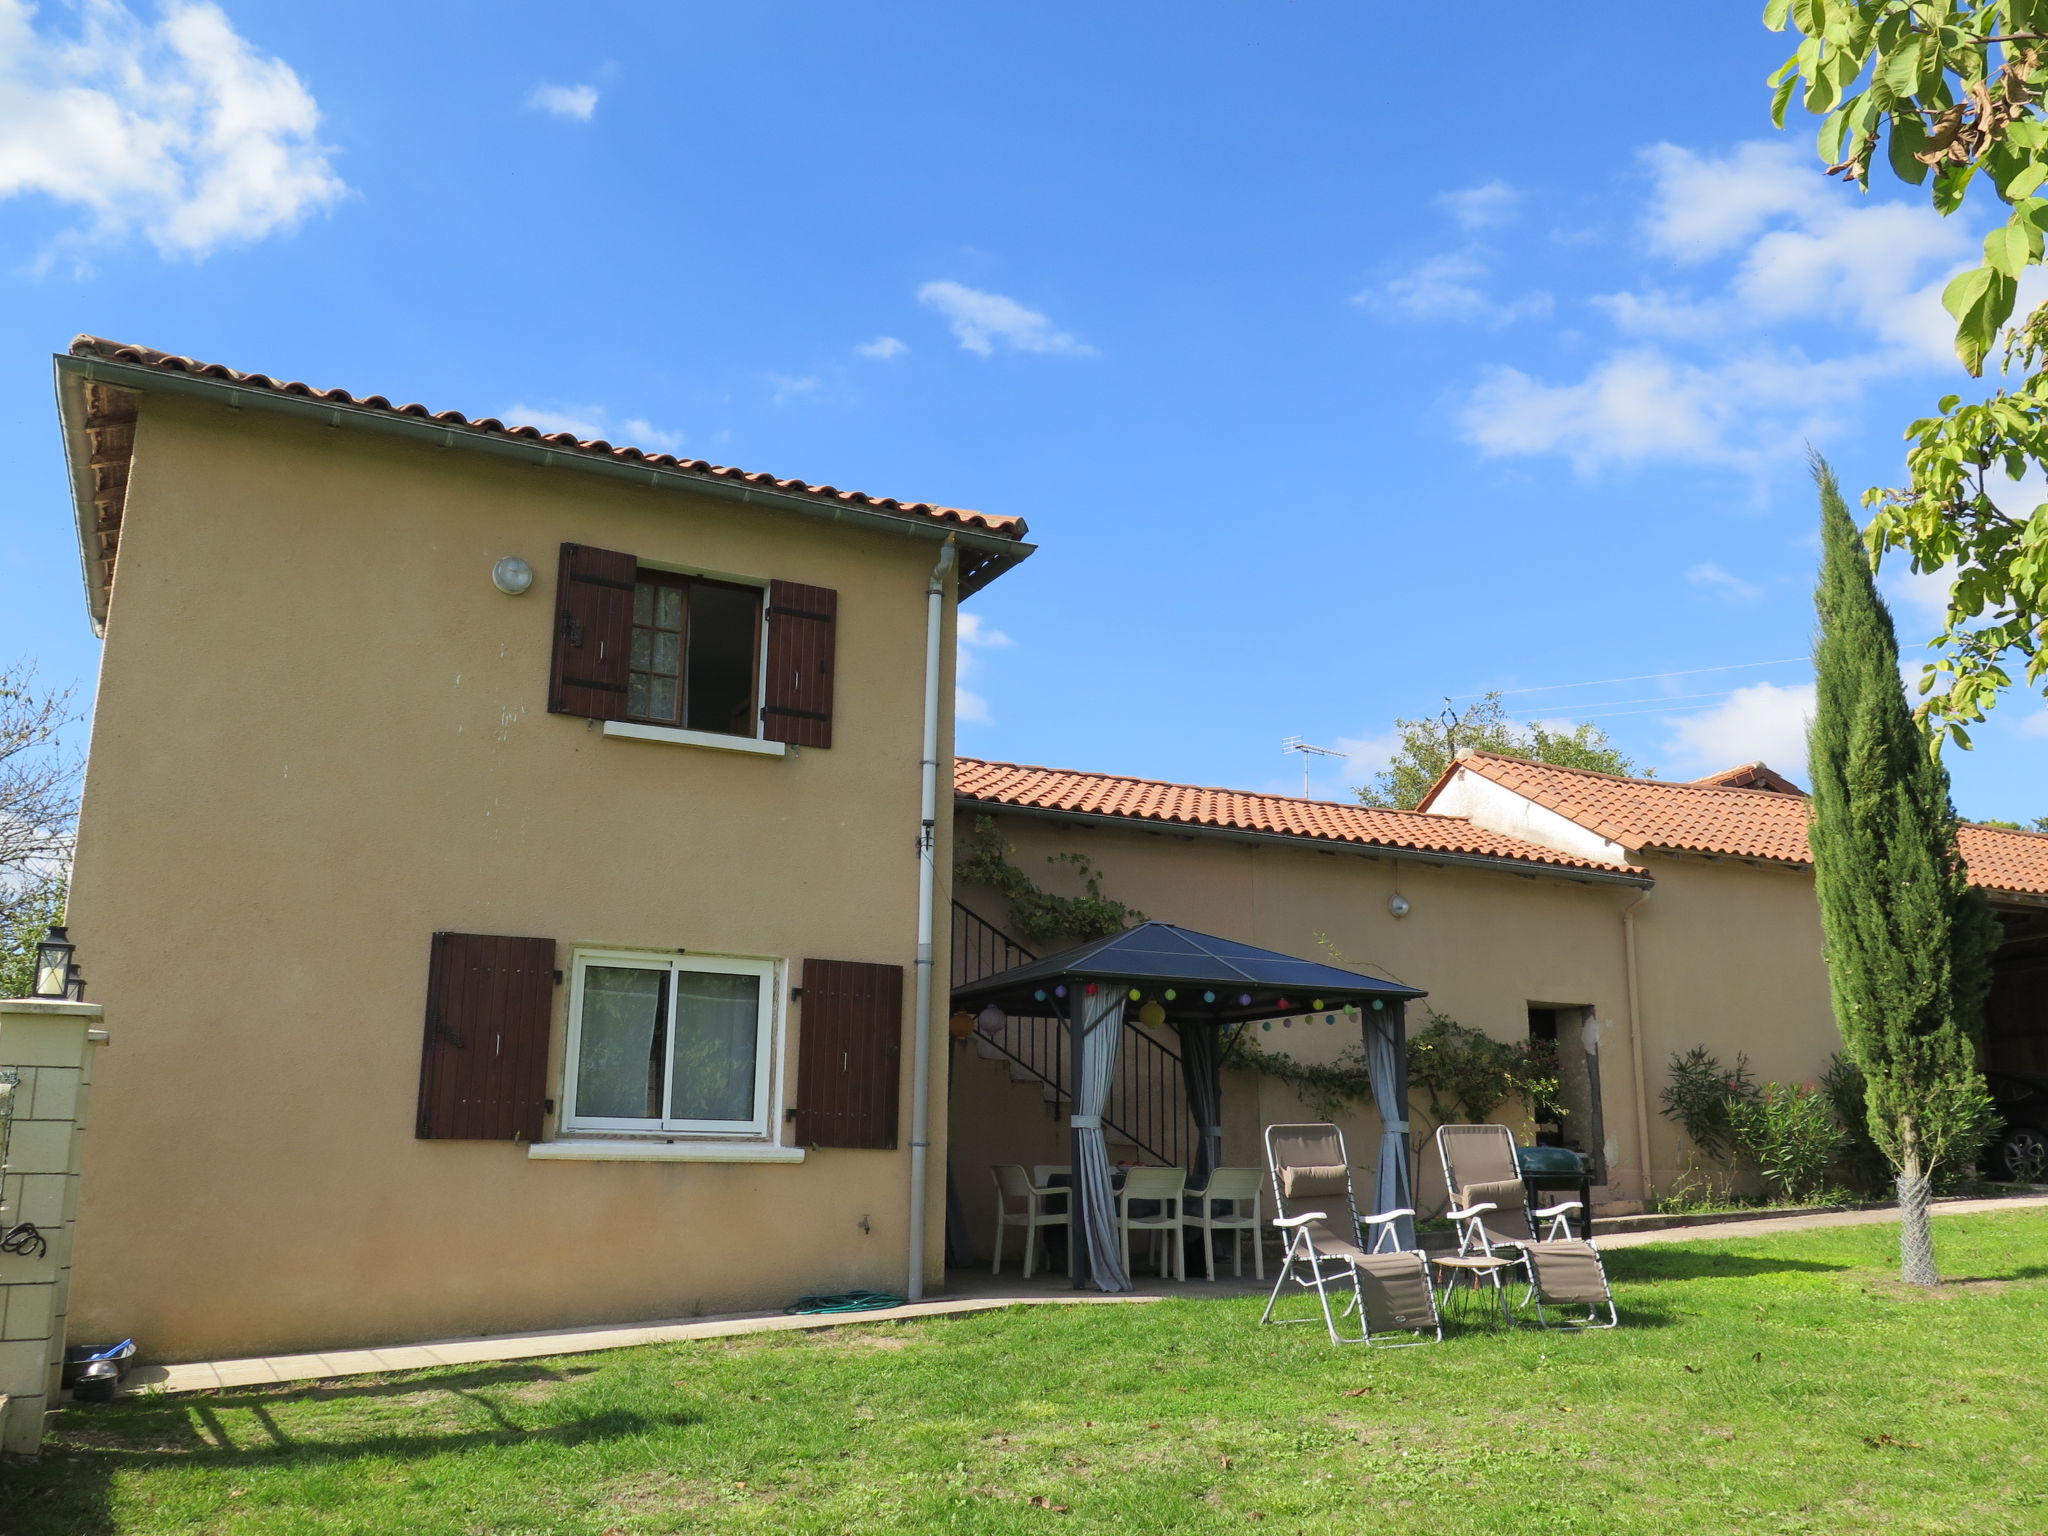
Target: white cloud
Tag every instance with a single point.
(578, 102)
(1640, 404)
(882, 348)
(1792, 250)
(1491, 202)
(1712, 578)
(972, 631)
(593, 421)
(1448, 287)
(971, 634)
(979, 320)
(179, 130)
(2036, 725)
(642, 433)
(788, 386)
(1764, 721)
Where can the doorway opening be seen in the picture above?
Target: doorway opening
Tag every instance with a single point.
(1572, 1034)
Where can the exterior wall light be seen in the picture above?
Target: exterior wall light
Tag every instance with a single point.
(511, 575)
(1398, 904)
(74, 985)
(53, 963)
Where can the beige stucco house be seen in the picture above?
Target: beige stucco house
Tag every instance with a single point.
(504, 853)
(510, 866)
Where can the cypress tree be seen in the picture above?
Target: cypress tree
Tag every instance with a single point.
(1908, 939)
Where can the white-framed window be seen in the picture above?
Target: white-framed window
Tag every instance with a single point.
(670, 1043)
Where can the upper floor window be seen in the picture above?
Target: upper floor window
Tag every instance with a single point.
(696, 653)
(692, 653)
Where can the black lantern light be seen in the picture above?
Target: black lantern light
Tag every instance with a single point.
(53, 964)
(74, 985)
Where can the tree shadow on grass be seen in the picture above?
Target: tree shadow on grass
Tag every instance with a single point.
(69, 1491)
(1636, 1266)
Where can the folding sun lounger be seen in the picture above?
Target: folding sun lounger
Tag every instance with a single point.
(1388, 1286)
(1490, 1206)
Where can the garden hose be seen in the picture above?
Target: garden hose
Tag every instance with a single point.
(844, 1301)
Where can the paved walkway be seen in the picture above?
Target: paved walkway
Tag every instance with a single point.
(969, 1291)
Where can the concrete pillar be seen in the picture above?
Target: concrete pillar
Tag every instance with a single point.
(51, 1046)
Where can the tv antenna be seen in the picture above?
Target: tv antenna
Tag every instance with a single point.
(1296, 744)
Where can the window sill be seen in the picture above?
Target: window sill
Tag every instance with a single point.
(600, 1150)
(633, 731)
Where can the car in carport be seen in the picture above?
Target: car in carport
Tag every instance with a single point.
(2019, 1153)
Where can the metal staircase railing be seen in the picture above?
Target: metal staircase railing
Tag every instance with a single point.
(1148, 1105)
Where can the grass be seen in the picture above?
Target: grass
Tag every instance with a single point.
(1773, 1384)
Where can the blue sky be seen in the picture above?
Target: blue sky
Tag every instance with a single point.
(1335, 373)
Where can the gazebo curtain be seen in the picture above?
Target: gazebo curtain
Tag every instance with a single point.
(1201, 1070)
(1098, 1033)
(1386, 1061)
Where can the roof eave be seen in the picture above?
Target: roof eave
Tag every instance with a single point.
(1498, 865)
(78, 466)
(985, 555)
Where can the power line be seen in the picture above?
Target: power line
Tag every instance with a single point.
(1670, 698)
(1640, 677)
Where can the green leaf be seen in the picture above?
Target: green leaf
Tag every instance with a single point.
(1908, 136)
(1902, 70)
(1980, 299)
(1775, 12)
(2028, 179)
(1833, 129)
(2010, 249)
(1950, 183)
(1781, 98)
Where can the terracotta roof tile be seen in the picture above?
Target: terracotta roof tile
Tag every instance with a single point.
(114, 351)
(1153, 800)
(1704, 817)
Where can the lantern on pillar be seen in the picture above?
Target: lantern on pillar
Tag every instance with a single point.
(53, 964)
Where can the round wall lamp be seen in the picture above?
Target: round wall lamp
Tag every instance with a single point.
(1398, 904)
(511, 575)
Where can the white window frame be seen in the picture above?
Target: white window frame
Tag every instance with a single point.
(767, 1043)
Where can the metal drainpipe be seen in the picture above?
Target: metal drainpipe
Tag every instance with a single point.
(1635, 1036)
(927, 900)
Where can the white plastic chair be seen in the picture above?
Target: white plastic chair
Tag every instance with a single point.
(1239, 1189)
(1167, 1186)
(1019, 1202)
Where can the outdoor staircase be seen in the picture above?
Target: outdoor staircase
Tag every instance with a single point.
(1146, 1119)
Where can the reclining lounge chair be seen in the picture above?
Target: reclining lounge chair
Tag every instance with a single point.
(1388, 1286)
(1490, 1206)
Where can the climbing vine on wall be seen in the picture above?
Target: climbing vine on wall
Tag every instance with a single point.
(1037, 916)
(1325, 1087)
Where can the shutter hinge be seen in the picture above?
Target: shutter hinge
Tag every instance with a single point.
(547, 1106)
(796, 992)
(790, 1113)
(558, 978)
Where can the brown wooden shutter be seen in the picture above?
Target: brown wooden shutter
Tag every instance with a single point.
(850, 1046)
(802, 624)
(484, 1066)
(593, 633)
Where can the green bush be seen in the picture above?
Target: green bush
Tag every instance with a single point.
(1863, 1166)
(1790, 1133)
(1702, 1096)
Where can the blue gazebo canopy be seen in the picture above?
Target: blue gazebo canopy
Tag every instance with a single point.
(1214, 980)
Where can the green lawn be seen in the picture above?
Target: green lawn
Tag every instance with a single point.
(1767, 1384)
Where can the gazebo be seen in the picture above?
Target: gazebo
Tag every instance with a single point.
(1201, 983)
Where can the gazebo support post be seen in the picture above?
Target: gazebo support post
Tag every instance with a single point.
(1386, 1054)
(1077, 1229)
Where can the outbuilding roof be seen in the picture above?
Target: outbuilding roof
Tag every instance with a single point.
(1020, 786)
(1715, 816)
